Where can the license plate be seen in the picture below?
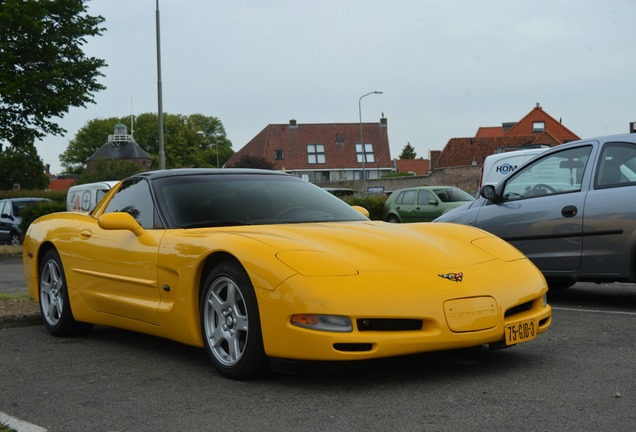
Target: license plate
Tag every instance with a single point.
(520, 331)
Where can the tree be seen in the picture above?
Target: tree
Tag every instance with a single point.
(184, 145)
(22, 166)
(408, 152)
(43, 70)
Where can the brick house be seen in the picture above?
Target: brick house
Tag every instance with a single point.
(536, 128)
(323, 152)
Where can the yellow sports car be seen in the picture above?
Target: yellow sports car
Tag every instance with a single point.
(254, 265)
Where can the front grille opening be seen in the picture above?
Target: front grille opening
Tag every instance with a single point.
(518, 309)
(353, 347)
(389, 324)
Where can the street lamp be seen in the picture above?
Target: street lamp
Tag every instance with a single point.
(364, 152)
(162, 153)
(216, 145)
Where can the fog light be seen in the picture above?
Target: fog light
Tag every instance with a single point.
(330, 323)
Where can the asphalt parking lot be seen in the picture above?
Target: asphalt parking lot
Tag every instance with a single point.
(12, 275)
(579, 376)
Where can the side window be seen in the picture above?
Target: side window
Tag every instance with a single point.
(616, 166)
(408, 198)
(557, 173)
(133, 197)
(425, 197)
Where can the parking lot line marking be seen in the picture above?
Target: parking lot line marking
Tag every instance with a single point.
(19, 425)
(595, 311)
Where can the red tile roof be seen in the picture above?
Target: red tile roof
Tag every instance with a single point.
(473, 150)
(489, 132)
(417, 166)
(60, 184)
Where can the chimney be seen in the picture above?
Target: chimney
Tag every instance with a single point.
(293, 124)
(632, 127)
(383, 121)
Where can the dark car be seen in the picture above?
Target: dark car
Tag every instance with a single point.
(10, 218)
(571, 210)
(423, 204)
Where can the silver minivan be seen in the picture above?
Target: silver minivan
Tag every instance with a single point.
(571, 210)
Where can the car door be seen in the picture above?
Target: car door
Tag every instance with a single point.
(116, 271)
(542, 207)
(610, 212)
(405, 204)
(427, 207)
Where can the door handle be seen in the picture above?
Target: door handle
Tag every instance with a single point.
(569, 211)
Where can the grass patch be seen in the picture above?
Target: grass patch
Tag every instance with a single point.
(5, 428)
(8, 250)
(14, 296)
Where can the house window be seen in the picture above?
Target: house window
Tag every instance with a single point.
(366, 156)
(538, 126)
(316, 153)
(278, 155)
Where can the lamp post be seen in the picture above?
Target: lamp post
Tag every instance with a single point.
(162, 154)
(364, 153)
(216, 145)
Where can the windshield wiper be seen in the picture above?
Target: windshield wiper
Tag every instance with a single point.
(215, 223)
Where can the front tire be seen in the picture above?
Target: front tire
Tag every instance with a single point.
(230, 323)
(55, 305)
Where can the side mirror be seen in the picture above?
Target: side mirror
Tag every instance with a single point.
(120, 221)
(433, 202)
(489, 193)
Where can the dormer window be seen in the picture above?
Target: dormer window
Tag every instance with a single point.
(538, 126)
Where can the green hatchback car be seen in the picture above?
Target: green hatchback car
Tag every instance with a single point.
(423, 204)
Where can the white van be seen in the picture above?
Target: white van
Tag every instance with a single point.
(499, 165)
(84, 197)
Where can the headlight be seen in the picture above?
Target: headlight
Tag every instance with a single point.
(330, 323)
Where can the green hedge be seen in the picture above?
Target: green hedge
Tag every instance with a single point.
(373, 203)
(29, 214)
(58, 196)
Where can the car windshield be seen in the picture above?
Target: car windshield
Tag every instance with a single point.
(453, 195)
(246, 199)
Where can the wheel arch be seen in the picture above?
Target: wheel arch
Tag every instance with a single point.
(208, 264)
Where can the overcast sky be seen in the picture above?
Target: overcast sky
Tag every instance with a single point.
(446, 67)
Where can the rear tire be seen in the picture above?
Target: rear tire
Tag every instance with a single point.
(393, 219)
(55, 305)
(230, 323)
